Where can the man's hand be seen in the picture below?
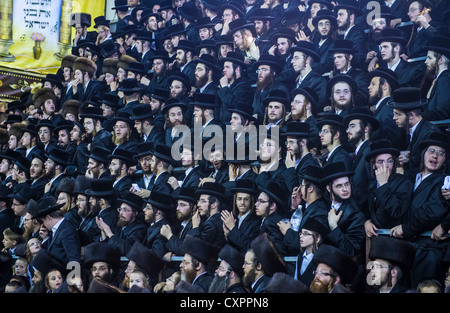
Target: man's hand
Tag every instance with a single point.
(166, 231)
(333, 218)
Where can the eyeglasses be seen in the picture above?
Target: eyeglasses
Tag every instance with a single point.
(247, 263)
(439, 153)
(324, 132)
(305, 233)
(261, 201)
(262, 70)
(377, 266)
(388, 161)
(322, 273)
(125, 210)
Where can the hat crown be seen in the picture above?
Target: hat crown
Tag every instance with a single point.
(297, 127)
(335, 168)
(406, 94)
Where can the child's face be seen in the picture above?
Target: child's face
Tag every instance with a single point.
(137, 279)
(54, 280)
(8, 243)
(20, 267)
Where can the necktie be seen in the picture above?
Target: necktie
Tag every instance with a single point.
(151, 184)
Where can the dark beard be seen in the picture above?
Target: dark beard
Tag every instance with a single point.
(201, 81)
(249, 278)
(50, 173)
(344, 27)
(219, 284)
(264, 84)
(84, 211)
(355, 140)
(122, 223)
(344, 106)
(189, 276)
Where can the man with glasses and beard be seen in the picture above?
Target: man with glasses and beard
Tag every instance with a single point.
(335, 271)
(228, 275)
(129, 227)
(103, 262)
(341, 90)
(383, 82)
(345, 218)
(199, 255)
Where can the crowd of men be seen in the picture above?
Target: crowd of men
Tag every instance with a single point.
(316, 160)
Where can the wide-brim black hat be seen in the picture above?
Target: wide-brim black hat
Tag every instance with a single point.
(440, 43)
(160, 201)
(236, 58)
(308, 48)
(332, 119)
(342, 78)
(59, 156)
(205, 101)
(243, 109)
(101, 187)
(278, 95)
(343, 264)
(173, 102)
(44, 262)
(276, 192)
(200, 249)
(122, 154)
(145, 148)
(324, 14)
(80, 18)
(351, 5)
(391, 35)
(185, 194)
(130, 85)
(297, 129)
(436, 138)
(309, 93)
(267, 254)
(381, 146)
(180, 77)
(343, 46)
(387, 74)
(93, 112)
(100, 154)
(21, 193)
(234, 5)
(334, 171)
(45, 206)
(234, 258)
(82, 183)
(209, 61)
(362, 113)
(189, 11)
(213, 189)
(270, 60)
(101, 252)
(163, 152)
(63, 124)
(292, 15)
(407, 98)
(146, 260)
(314, 174)
(395, 250)
(101, 20)
(133, 200)
(245, 186)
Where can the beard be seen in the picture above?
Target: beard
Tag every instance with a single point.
(356, 138)
(188, 275)
(373, 100)
(121, 222)
(318, 286)
(264, 83)
(344, 106)
(201, 81)
(344, 26)
(49, 173)
(219, 284)
(249, 278)
(84, 211)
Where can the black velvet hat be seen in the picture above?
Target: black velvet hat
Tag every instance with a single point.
(185, 194)
(267, 254)
(297, 129)
(213, 189)
(309, 93)
(362, 113)
(335, 170)
(200, 249)
(133, 200)
(245, 186)
(436, 138)
(102, 252)
(101, 188)
(161, 201)
(395, 250)
(407, 98)
(381, 146)
(308, 48)
(276, 192)
(45, 206)
(146, 260)
(234, 258)
(387, 74)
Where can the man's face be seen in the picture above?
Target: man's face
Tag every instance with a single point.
(243, 202)
(100, 270)
(236, 122)
(325, 136)
(144, 161)
(224, 49)
(126, 215)
(44, 134)
(82, 203)
(228, 70)
(205, 33)
(341, 62)
(121, 74)
(298, 105)
(149, 213)
(374, 90)
(36, 168)
(180, 57)
(274, 111)
(342, 19)
(283, 46)
(384, 160)
(260, 26)
(183, 210)
(121, 129)
(18, 208)
(152, 23)
(355, 132)
(262, 205)
(175, 116)
(188, 272)
(342, 95)
(263, 72)
(4, 166)
(49, 168)
(203, 206)
(379, 273)
(269, 150)
(93, 167)
(323, 281)
(89, 125)
(187, 158)
(249, 269)
(292, 145)
(201, 77)
(324, 27)
(400, 118)
(159, 66)
(342, 189)
(12, 142)
(378, 24)
(49, 106)
(67, 74)
(431, 62)
(198, 115)
(434, 158)
(298, 61)
(239, 40)
(115, 167)
(227, 15)
(63, 138)
(387, 51)
(176, 89)
(314, 8)
(216, 159)
(413, 10)
(78, 75)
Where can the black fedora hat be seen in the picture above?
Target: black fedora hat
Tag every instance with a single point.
(93, 112)
(101, 252)
(31, 128)
(45, 262)
(243, 109)
(45, 123)
(436, 138)
(209, 61)
(314, 225)
(292, 15)
(101, 20)
(387, 74)
(163, 152)
(185, 194)
(108, 48)
(440, 44)
(160, 54)
(351, 5)
(111, 99)
(101, 188)
(225, 40)
(160, 94)
(345, 267)
(342, 78)
(63, 124)
(391, 35)
(260, 14)
(123, 116)
(146, 259)
(204, 22)
(205, 101)
(13, 118)
(343, 46)
(234, 5)
(314, 174)
(45, 206)
(200, 249)
(173, 102)
(189, 11)
(270, 60)
(362, 113)
(407, 98)
(80, 18)
(162, 201)
(129, 86)
(276, 192)
(40, 154)
(66, 185)
(145, 148)
(213, 189)
(297, 129)
(133, 200)
(308, 48)
(10, 155)
(332, 119)
(122, 154)
(82, 183)
(278, 95)
(176, 29)
(21, 193)
(236, 58)
(136, 67)
(395, 250)
(245, 186)
(23, 163)
(240, 24)
(381, 146)
(267, 254)
(59, 156)
(186, 45)
(309, 93)
(335, 170)
(143, 112)
(233, 257)
(100, 154)
(179, 76)
(324, 14)
(283, 32)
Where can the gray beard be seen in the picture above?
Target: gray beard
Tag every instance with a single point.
(219, 284)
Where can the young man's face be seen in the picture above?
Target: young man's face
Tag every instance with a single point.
(400, 118)
(434, 158)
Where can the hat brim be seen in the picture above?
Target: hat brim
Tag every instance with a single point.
(372, 154)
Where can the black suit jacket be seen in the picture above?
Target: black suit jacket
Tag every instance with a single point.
(238, 91)
(95, 89)
(193, 178)
(362, 175)
(240, 237)
(388, 129)
(211, 230)
(124, 238)
(438, 106)
(175, 243)
(339, 155)
(154, 240)
(65, 243)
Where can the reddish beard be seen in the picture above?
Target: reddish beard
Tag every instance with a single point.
(318, 286)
